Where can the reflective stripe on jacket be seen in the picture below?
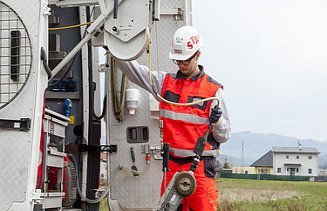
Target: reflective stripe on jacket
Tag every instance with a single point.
(183, 125)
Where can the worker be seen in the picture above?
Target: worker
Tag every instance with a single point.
(183, 125)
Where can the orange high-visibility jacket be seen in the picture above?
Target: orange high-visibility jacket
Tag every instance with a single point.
(183, 125)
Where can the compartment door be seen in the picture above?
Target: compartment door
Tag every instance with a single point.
(22, 84)
(140, 131)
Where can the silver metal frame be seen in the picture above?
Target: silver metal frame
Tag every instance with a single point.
(92, 30)
(73, 3)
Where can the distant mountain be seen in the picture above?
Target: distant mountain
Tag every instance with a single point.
(322, 161)
(256, 145)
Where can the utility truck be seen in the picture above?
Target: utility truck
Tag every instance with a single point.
(64, 103)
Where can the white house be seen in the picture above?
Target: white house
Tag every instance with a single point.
(295, 161)
(292, 161)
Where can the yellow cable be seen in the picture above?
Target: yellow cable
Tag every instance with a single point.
(118, 109)
(70, 27)
(158, 95)
(149, 56)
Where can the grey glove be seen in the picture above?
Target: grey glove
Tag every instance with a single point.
(215, 115)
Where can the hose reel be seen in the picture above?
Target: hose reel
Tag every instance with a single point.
(125, 31)
(15, 55)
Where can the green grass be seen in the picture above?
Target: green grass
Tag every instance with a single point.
(295, 196)
(266, 195)
(104, 205)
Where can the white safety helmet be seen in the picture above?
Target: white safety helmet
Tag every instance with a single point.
(186, 42)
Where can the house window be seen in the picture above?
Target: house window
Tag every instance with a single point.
(279, 170)
(297, 157)
(297, 170)
(287, 156)
(246, 172)
(310, 157)
(264, 171)
(309, 171)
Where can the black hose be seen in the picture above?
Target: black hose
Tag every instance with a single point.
(67, 71)
(45, 62)
(165, 156)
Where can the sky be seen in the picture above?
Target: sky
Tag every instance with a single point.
(271, 57)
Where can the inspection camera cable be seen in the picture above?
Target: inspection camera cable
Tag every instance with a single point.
(109, 181)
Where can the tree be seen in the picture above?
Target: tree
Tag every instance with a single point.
(226, 165)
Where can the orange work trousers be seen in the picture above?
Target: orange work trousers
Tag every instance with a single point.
(205, 197)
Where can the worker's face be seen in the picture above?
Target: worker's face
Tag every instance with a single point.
(189, 66)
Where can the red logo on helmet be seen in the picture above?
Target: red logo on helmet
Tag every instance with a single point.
(194, 40)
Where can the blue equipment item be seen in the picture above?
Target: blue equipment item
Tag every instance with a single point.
(68, 107)
(63, 85)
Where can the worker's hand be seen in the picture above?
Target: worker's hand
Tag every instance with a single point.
(215, 115)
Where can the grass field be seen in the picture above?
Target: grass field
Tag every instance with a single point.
(252, 195)
(265, 195)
